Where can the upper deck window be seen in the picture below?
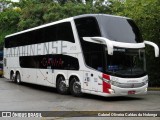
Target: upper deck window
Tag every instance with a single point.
(87, 27)
(61, 31)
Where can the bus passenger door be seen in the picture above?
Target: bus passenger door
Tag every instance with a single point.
(50, 76)
(45, 74)
(87, 83)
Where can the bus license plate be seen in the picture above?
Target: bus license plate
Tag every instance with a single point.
(131, 92)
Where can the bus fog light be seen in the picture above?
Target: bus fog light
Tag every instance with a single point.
(111, 91)
(146, 89)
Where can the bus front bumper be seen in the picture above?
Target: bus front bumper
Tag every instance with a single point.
(128, 91)
(117, 91)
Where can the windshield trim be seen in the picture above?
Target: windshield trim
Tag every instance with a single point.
(126, 76)
(126, 63)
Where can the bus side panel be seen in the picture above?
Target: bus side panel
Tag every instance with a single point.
(32, 75)
(6, 72)
(24, 74)
(45, 77)
(10, 66)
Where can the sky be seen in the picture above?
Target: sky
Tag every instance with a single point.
(15, 0)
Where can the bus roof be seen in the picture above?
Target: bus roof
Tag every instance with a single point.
(96, 15)
(64, 20)
(41, 26)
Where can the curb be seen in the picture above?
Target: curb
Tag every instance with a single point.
(154, 89)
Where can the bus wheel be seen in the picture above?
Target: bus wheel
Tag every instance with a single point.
(18, 78)
(61, 85)
(12, 77)
(75, 87)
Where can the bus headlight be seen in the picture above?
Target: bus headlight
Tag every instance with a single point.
(111, 91)
(115, 83)
(107, 81)
(145, 82)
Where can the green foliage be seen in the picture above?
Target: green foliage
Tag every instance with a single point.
(30, 13)
(8, 23)
(37, 13)
(31, 17)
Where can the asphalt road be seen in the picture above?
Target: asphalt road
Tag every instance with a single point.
(28, 97)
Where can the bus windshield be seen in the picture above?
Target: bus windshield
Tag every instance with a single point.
(126, 63)
(119, 29)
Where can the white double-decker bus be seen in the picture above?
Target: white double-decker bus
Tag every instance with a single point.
(94, 53)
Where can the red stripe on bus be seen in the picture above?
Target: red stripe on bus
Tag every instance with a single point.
(106, 87)
(106, 76)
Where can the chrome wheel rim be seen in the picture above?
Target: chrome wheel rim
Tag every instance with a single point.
(18, 78)
(62, 85)
(76, 87)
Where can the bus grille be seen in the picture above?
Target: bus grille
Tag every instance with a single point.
(130, 85)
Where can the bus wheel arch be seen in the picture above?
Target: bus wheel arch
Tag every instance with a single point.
(12, 76)
(75, 86)
(18, 77)
(61, 84)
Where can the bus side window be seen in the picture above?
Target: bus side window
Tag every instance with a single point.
(64, 32)
(93, 53)
(5, 62)
(30, 60)
(50, 33)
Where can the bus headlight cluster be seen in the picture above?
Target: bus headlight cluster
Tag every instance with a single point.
(112, 82)
(145, 82)
(107, 81)
(115, 83)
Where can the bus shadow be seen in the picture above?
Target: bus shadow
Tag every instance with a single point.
(112, 98)
(36, 87)
(84, 96)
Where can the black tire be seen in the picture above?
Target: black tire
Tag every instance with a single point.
(75, 87)
(12, 77)
(18, 78)
(61, 86)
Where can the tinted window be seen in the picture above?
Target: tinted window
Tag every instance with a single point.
(93, 53)
(119, 29)
(5, 62)
(95, 60)
(87, 27)
(63, 62)
(28, 62)
(62, 31)
(132, 64)
(50, 33)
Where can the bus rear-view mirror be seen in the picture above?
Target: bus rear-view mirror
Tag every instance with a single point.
(101, 40)
(156, 48)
